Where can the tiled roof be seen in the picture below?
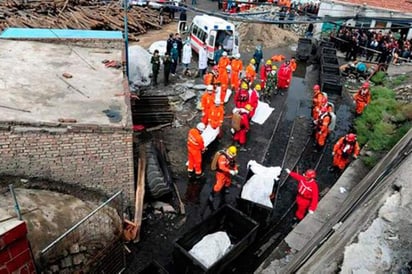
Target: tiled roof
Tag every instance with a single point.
(395, 5)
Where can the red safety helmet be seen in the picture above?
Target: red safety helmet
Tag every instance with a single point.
(215, 68)
(324, 101)
(350, 137)
(310, 174)
(316, 87)
(365, 85)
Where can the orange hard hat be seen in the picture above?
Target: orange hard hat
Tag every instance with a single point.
(310, 174)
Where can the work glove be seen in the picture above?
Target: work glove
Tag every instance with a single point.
(232, 130)
(333, 153)
(232, 172)
(311, 212)
(287, 170)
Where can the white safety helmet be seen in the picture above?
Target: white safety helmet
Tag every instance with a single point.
(237, 55)
(224, 53)
(209, 88)
(201, 127)
(228, 67)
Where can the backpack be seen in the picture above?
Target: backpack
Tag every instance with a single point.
(213, 164)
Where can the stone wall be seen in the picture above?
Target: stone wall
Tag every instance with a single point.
(91, 156)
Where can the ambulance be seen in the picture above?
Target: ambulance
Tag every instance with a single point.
(212, 32)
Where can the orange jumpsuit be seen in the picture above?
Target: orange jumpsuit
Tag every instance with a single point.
(322, 128)
(362, 98)
(223, 178)
(224, 84)
(308, 195)
(237, 67)
(342, 150)
(293, 65)
(216, 115)
(224, 61)
(209, 79)
(195, 147)
(207, 100)
(278, 58)
(250, 73)
(317, 101)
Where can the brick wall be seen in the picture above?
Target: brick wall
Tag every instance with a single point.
(15, 254)
(96, 157)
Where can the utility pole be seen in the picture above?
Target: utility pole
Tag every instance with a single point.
(126, 37)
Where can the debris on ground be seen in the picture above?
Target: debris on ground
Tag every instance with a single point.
(71, 14)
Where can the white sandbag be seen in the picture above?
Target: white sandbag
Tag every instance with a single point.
(140, 67)
(160, 46)
(227, 96)
(211, 248)
(260, 186)
(209, 135)
(263, 112)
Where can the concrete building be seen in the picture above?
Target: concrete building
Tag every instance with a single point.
(380, 14)
(75, 129)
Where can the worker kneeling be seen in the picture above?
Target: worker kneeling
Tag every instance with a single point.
(225, 165)
(241, 125)
(308, 192)
(195, 148)
(344, 148)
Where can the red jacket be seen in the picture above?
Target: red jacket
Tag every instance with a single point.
(307, 189)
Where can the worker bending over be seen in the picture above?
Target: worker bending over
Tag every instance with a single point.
(344, 148)
(362, 98)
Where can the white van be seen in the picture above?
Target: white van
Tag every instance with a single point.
(213, 31)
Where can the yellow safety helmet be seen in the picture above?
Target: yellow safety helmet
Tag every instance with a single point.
(248, 107)
(232, 151)
(244, 85)
(269, 62)
(253, 61)
(258, 87)
(274, 67)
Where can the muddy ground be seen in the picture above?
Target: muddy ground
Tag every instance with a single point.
(266, 146)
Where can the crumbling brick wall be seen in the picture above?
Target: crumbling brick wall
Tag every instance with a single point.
(95, 157)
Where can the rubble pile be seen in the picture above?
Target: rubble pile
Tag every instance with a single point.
(403, 93)
(77, 14)
(268, 35)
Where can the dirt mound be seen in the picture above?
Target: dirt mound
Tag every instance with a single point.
(270, 36)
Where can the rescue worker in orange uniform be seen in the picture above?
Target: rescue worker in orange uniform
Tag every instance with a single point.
(322, 127)
(224, 61)
(317, 109)
(211, 77)
(195, 148)
(254, 99)
(241, 134)
(308, 192)
(226, 167)
(237, 66)
(242, 96)
(224, 82)
(293, 64)
(362, 98)
(318, 101)
(207, 101)
(345, 147)
(264, 72)
(216, 114)
(250, 71)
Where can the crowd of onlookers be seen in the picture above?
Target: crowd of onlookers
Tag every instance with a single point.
(374, 45)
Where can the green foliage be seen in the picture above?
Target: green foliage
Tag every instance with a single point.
(378, 78)
(370, 161)
(383, 122)
(396, 81)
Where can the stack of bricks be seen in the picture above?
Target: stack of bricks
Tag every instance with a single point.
(93, 157)
(15, 254)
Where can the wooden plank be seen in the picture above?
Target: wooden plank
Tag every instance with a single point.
(140, 190)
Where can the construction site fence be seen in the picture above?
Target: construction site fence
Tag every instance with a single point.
(92, 245)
